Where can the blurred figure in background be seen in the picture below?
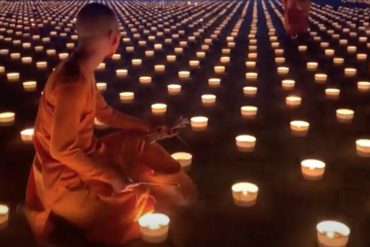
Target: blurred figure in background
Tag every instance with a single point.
(296, 14)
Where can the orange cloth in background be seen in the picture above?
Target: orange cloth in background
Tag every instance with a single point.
(295, 17)
(71, 166)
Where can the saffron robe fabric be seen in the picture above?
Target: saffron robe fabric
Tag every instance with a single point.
(295, 17)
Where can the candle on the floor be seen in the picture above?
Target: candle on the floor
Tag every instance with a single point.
(279, 60)
(332, 93)
(312, 169)
(332, 234)
(361, 56)
(219, 69)
(363, 147)
(363, 86)
(312, 66)
(145, 80)
(214, 82)
(4, 51)
(200, 54)
(350, 72)
(245, 143)
(159, 109)
(351, 49)
(251, 75)
(225, 60)
(51, 52)
(149, 53)
(171, 58)
(244, 194)
(208, 99)
(101, 66)
(2, 70)
(126, 97)
(250, 91)
(321, 78)
(199, 123)
(329, 52)
(248, 111)
(338, 60)
(121, 73)
(293, 101)
(101, 86)
(250, 64)
(174, 89)
(29, 85)
(194, 63)
(116, 57)
(63, 55)
(136, 61)
(288, 84)
(302, 48)
(184, 74)
(13, 76)
(26, 60)
(26, 135)
(15, 55)
(154, 227)
(344, 115)
(159, 68)
(4, 216)
(283, 70)
(299, 127)
(42, 65)
(7, 118)
(184, 159)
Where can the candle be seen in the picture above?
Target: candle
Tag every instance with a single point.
(136, 62)
(332, 93)
(248, 112)
(351, 49)
(302, 48)
(252, 56)
(350, 72)
(361, 56)
(160, 68)
(199, 123)
(4, 216)
(116, 57)
(283, 70)
(101, 66)
(225, 60)
(159, 109)
(245, 143)
(174, 89)
(214, 82)
(121, 73)
(15, 56)
(63, 55)
(184, 74)
(2, 69)
(145, 80)
(185, 159)
(321, 78)
(363, 147)
(293, 101)
(154, 227)
(101, 86)
(171, 58)
(29, 85)
(26, 135)
(251, 76)
(200, 54)
(288, 84)
(51, 52)
(312, 169)
(338, 60)
(26, 60)
(363, 86)
(13, 76)
(312, 66)
(332, 234)
(244, 194)
(329, 52)
(344, 115)
(250, 91)
(42, 65)
(208, 99)
(219, 69)
(126, 97)
(250, 64)
(279, 60)
(299, 127)
(7, 118)
(194, 63)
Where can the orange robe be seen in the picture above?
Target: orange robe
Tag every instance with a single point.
(295, 18)
(71, 167)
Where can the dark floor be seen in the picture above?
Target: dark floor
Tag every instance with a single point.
(288, 206)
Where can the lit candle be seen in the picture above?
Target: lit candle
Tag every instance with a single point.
(283, 70)
(121, 73)
(15, 56)
(321, 78)
(7, 118)
(250, 91)
(13, 76)
(361, 56)
(293, 101)
(350, 72)
(351, 49)
(171, 58)
(299, 127)
(288, 84)
(219, 69)
(250, 64)
(159, 109)
(338, 60)
(363, 86)
(185, 159)
(214, 82)
(248, 112)
(312, 169)
(279, 60)
(244, 194)
(208, 99)
(42, 65)
(332, 234)
(29, 85)
(4, 216)
(199, 123)
(154, 227)
(26, 135)
(101, 86)
(363, 147)
(51, 52)
(184, 74)
(329, 52)
(344, 115)
(251, 76)
(312, 66)
(26, 60)
(245, 143)
(126, 97)
(194, 63)
(145, 80)
(136, 62)
(63, 55)
(116, 57)
(174, 89)
(225, 60)
(302, 48)
(101, 66)
(160, 68)
(332, 93)
(2, 70)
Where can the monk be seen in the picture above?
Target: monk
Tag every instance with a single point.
(101, 186)
(296, 14)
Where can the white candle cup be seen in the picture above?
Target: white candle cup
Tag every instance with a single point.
(345, 115)
(363, 147)
(185, 159)
(224, 60)
(302, 48)
(7, 118)
(159, 109)
(299, 127)
(351, 49)
(250, 91)
(4, 216)
(26, 135)
(321, 78)
(350, 72)
(244, 194)
(219, 69)
(312, 169)
(194, 63)
(332, 234)
(248, 112)
(208, 99)
(199, 123)
(2, 70)
(136, 62)
(29, 86)
(171, 58)
(245, 143)
(252, 56)
(101, 66)
(174, 89)
(63, 55)
(226, 51)
(293, 101)
(200, 54)
(279, 60)
(116, 57)
(13, 76)
(15, 56)
(214, 82)
(363, 86)
(361, 57)
(288, 84)
(26, 60)
(252, 76)
(283, 70)
(250, 64)
(121, 73)
(126, 97)
(159, 68)
(51, 52)
(184, 74)
(332, 93)
(42, 65)
(4, 52)
(338, 61)
(312, 66)
(329, 52)
(101, 86)
(145, 80)
(130, 49)
(154, 227)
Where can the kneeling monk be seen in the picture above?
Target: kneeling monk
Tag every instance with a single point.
(98, 185)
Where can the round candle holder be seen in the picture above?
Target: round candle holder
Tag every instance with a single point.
(185, 159)
(208, 99)
(214, 82)
(245, 143)
(363, 147)
(29, 86)
(332, 93)
(345, 115)
(4, 216)
(159, 109)
(312, 169)
(26, 135)
(199, 123)
(332, 234)
(145, 80)
(126, 97)
(174, 89)
(293, 101)
(288, 84)
(363, 86)
(244, 194)
(7, 118)
(248, 112)
(154, 227)
(250, 91)
(299, 128)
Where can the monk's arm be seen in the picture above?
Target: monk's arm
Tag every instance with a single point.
(64, 139)
(116, 119)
